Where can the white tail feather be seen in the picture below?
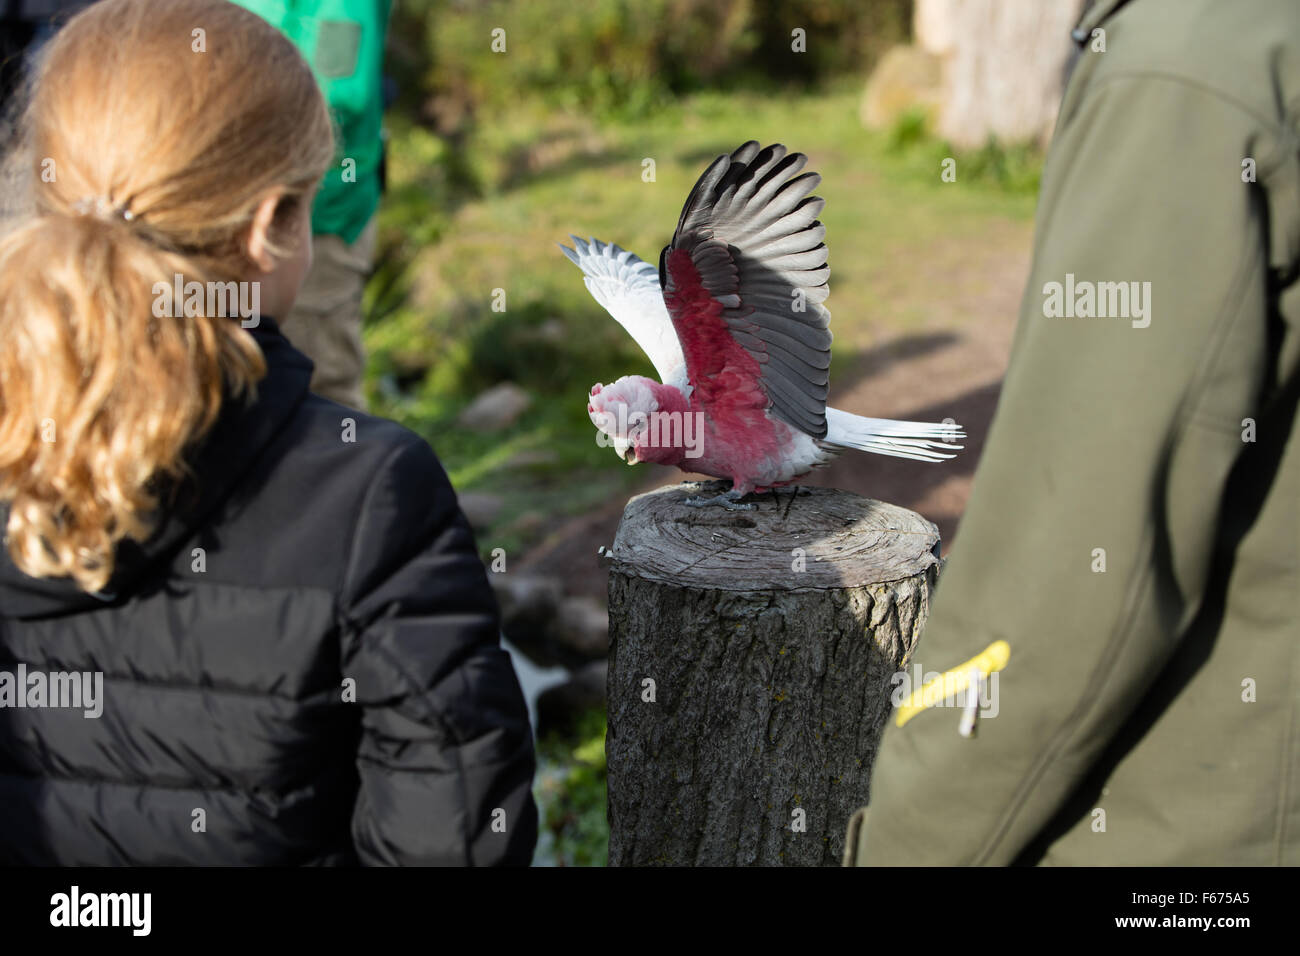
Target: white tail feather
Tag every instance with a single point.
(921, 441)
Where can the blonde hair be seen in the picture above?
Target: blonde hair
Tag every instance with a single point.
(184, 114)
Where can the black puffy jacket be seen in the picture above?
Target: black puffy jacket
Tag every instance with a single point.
(301, 666)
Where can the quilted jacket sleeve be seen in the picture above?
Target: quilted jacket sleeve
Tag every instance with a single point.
(446, 754)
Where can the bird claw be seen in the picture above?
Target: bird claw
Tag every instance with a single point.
(729, 500)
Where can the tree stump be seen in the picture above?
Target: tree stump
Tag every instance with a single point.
(750, 670)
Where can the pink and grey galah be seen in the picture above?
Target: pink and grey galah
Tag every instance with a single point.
(734, 324)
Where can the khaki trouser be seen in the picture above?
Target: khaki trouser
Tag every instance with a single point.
(325, 321)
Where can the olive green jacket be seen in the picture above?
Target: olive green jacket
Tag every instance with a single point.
(1133, 536)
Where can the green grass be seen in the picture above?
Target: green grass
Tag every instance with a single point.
(458, 224)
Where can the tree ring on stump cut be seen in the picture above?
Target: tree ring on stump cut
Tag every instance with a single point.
(796, 539)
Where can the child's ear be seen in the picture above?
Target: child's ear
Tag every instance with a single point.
(259, 232)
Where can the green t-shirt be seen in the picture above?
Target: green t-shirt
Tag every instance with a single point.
(343, 40)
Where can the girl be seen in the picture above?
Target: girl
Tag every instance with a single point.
(239, 624)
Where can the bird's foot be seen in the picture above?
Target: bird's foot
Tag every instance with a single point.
(729, 500)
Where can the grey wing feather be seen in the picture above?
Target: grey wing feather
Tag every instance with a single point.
(752, 231)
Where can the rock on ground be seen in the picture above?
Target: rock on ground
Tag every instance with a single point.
(906, 78)
(481, 508)
(498, 407)
(549, 627)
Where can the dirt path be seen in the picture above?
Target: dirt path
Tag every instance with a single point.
(951, 365)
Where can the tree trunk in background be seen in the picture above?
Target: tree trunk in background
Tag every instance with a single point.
(750, 671)
(1004, 65)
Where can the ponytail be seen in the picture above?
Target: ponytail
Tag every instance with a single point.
(102, 395)
(100, 398)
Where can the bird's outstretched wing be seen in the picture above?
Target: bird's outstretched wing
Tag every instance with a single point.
(747, 267)
(628, 288)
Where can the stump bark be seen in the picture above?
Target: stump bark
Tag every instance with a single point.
(750, 670)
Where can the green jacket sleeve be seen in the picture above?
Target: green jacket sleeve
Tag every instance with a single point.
(343, 42)
(1087, 540)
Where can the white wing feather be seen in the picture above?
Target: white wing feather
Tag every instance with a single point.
(628, 289)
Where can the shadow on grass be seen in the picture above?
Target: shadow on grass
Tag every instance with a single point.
(907, 483)
(556, 155)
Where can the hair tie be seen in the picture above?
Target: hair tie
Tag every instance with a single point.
(103, 209)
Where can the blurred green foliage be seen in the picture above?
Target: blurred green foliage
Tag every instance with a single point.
(908, 130)
(1013, 168)
(570, 792)
(626, 57)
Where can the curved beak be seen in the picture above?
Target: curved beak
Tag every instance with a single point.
(625, 450)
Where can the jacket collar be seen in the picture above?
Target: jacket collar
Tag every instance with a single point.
(1094, 13)
(240, 434)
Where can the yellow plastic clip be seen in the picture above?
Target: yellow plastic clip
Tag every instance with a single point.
(951, 683)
